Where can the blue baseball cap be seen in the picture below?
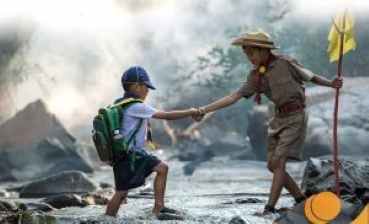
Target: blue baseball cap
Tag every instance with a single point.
(137, 74)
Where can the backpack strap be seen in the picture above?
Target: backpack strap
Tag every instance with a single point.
(134, 132)
(126, 101)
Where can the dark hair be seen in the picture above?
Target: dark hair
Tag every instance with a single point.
(127, 86)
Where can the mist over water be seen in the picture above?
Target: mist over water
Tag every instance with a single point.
(77, 50)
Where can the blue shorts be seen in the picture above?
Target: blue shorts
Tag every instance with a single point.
(129, 174)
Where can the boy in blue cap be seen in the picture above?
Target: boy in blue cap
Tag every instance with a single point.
(136, 84)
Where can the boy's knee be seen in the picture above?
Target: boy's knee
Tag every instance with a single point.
(163, 168)
(275, 164)
(121, 194)
(270, 167)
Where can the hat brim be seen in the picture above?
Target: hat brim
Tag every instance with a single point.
(149, 85)
(242, 42)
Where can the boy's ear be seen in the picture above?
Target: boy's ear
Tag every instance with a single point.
(133, 86)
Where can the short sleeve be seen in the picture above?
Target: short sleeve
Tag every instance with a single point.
(302, 73)
(248, 88)
(141, 110)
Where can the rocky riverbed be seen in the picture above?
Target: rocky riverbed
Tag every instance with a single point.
(219, 191)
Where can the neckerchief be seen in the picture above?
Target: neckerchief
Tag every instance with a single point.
(260, 71)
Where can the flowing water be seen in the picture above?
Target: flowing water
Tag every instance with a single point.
(204, 197)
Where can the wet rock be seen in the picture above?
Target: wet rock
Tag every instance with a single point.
(33, 217)
(90, 222)
(105, 185)
(237, 220)
(245, 155)
(31, 206)
(65, 182)
(4, 194)
(257, 128)
(354, 177)
(195, 154)
(65, 200)
(245, 201)
(7, 206)
(96, 198)
(297, 215)
(8, 212)
(45, 145)
(9, 218)
(248, 201)
(6, 174)
(193, 150)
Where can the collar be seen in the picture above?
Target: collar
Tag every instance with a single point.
(268, 64)
(130, 95)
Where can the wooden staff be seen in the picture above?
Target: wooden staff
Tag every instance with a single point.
(335, 115)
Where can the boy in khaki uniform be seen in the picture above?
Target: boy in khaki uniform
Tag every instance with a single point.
(281, 80)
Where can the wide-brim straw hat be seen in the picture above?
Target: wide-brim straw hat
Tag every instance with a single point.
(255, 39)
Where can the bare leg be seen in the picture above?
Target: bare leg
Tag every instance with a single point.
(292, 187)
(159, 186)
(278, 168)
(115, 202)
(279, 180)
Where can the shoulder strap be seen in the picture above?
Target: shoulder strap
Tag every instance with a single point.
(126, 102)
(135, 131)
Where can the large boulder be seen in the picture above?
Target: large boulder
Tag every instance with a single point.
(257, 130)
(212, 142)
(296, 215)
(33, 124)
(65, 200)
(8, 212)
(68, 182)
(237, 220)
(354, 178)
(45, 146)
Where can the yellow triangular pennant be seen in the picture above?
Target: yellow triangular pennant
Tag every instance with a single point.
(334, 36)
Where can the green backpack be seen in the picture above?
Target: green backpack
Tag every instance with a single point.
(105, 133)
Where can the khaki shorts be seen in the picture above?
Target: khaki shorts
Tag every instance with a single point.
(286, 136)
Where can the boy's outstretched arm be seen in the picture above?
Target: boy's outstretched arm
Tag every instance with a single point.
(335, 83)
(221, 103)
(175, 114)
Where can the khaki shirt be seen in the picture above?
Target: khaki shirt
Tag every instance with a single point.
(282, 83)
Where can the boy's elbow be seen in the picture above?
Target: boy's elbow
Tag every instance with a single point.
(160, 115)
(235, 97)
(164, 115)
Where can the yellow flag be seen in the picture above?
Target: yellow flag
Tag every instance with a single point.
(363, 218)
(334, 36)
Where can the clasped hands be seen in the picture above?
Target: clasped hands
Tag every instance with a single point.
(197, 114)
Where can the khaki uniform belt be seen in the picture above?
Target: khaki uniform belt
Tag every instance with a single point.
(291, 107)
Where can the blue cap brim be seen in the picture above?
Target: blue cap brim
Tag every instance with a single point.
(149, 85)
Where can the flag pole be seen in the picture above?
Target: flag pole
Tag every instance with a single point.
(335, 115)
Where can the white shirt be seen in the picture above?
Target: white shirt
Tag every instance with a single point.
(131, 118)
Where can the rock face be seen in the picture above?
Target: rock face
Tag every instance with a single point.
(296, 215)
(213, 143)
(354, 178)
(237, 220)
(257, 130)
(33, 124)
(32, 206)
(65, 200)
(43, 143)
(8, 212)
(73, 182)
